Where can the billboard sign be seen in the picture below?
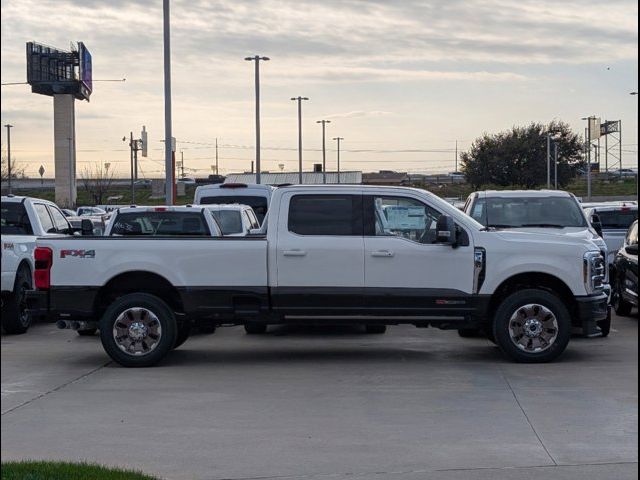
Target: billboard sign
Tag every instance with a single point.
(610, 126)
(85, 71)
(594, 128)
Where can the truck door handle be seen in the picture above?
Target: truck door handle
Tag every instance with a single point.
(294, 253)
(382, 253)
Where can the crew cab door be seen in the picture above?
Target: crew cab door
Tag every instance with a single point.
(406, 271)
(319, 254)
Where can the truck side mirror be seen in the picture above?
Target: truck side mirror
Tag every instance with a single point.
(446, 230)
(631, 249)
(86, 227)
(596, 224)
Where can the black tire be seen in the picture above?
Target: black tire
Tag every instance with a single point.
(206, 327)
(166, 321)
(605, 325)
(184, 329)
(252, 328)
(620, 305)
(15, 319)
(375, 329)
(470, 333)
(513, 305)
(87, 332)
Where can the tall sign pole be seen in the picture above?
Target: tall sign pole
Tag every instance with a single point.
(324, 151)
(299, 100)
(337, 139)
(548, 160)
(168, 153)
(9, 127)
(555, 165)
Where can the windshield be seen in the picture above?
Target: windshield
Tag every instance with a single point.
(259, 204)
(621, 219)
(229, 220)
(15, 220)
(523, 212)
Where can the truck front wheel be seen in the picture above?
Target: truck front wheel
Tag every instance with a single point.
(532, 326)
(138, 330)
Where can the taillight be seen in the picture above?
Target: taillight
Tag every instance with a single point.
(44, 260)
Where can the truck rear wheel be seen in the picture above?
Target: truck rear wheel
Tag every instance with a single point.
(15, 318)
(138, 330)
(532, 326)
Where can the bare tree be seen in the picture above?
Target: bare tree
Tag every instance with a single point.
(17, 169)
(96, 181)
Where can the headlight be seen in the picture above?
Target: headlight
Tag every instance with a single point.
(594, 271)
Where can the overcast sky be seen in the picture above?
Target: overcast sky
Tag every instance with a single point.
(401, 81)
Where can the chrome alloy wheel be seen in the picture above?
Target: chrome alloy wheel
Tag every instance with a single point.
(533, 328)
(137, 331)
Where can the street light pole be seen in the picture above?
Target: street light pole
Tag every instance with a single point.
(257, 58)
(168, 151)
(299, 99)
(548, 160)
(324, 151)
(338, 140)
(9, 127)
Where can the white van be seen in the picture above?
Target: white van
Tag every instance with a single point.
(256, 196)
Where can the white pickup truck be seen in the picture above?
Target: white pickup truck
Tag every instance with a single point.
(23, 220)
(328, 256)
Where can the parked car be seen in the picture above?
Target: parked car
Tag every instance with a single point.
(624, 273)
(625, 172)
(67, 212)
(187, 180)
(90, 212)
(23, 219)
(143, 182)
(257, 197)
(612, 221)
(234, 220)
(326, 258)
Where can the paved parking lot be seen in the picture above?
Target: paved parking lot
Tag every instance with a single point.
(327, 403)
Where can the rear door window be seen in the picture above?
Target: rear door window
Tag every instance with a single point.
(44, 217)
(326, 215)
(59, 220)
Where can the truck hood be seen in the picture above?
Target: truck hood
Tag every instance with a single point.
(578, 233)
(545, 236)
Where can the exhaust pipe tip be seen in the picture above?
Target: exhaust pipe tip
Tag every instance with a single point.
(61, 324)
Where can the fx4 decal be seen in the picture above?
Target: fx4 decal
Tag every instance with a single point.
(78, 253)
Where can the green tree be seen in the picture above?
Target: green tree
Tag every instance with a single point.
(519, 156)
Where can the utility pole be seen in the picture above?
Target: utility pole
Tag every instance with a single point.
(9, 127)
(588, 147)
(555, 164)
(548, 160)
(338, 140)
(299, 99)
(168, 152)
(217, 156)
(324, 152)
(257, 58)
